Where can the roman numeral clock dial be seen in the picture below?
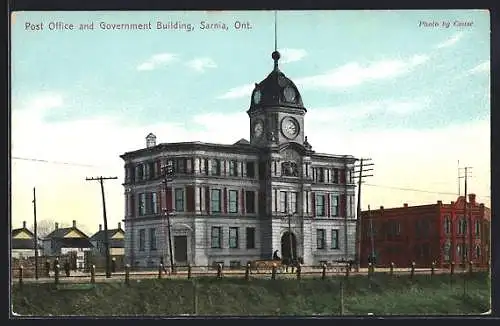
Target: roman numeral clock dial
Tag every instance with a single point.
(289, 127)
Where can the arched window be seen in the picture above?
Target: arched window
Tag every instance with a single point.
(446, 250)
(478, 228)
(447, 224)
(478, 251)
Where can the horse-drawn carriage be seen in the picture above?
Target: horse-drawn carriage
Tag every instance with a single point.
(282, 265)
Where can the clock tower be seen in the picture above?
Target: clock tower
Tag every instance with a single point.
(276, 110)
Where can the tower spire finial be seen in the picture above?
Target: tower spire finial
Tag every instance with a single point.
(275, 30)
(276, 54)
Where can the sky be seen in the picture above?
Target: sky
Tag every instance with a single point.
(408, 89)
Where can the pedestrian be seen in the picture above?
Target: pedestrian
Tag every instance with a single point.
(67, 268)
(162, 263)
(113, 265)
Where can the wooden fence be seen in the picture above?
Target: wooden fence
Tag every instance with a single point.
(59, 275)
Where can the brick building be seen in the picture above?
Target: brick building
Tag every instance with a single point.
(232, 203)
(437, 232)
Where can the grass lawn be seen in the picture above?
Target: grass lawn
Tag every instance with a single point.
(380, 295)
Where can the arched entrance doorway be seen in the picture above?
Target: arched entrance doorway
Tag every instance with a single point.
(288, 251)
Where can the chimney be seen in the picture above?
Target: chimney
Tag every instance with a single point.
(56, 225)
(472, 199)
(100, 227)
(405, 205)
(150, 140)
(119, 225)
(440, 203)
(24, 224)
(74, 223)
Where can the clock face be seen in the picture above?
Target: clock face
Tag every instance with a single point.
(258, 128)
(289, 93)
(290, 127)
(256, 96)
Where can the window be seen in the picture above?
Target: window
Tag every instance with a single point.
(215, 201)
(320, 238)
(233, 168)
(293, 202)
(233, 201)
(154, 203)
(139, 172)
(250, 238)
(180, 165)
(283, 202)
(179, 200)
(250, 201)
(462, 251)
(205, 166)
(320, 174)
(398, 228)
(142, 204)
(320, 205)
(334, 205)
(335, 175)
(335, 239)
(446, 250)
(478, 228)
(216, 237)
(478, 251)
(150, 170)
(462, 225)
(234, 264)
(142, 239)
(152, 239)
(250, 169)
(233, 237)
(215, 167)
(447, 224)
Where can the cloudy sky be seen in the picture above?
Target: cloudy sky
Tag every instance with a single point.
(408, 89)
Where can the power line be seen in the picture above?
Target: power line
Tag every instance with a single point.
(51, 162)
(416, 190)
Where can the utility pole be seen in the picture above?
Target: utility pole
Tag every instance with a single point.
(360, 174)
(467, 221)
(168, 172)
(371, 234)
(106, 236)
(458, 171)
(36, 233)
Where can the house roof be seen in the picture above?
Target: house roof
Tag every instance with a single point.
(61, 232)
(114, 243)
(17, 231)
(24, 244)
(74, 242)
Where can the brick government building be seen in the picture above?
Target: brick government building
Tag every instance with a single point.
(424, 234)
(235, 203)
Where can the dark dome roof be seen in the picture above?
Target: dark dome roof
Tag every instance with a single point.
(276, 90)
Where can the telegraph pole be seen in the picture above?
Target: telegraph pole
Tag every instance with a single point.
(36, 233)
(360, 173)
(468, 221)
(106, 238)
(371, 234)
(168, 172)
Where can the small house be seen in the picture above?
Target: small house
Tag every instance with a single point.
(116, 238)
(67, 241)
(23, 243)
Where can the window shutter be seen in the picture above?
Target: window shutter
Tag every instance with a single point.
(313, 203)
(342, 176)
(342, 205)
(225, 200)
(168, 197)
(207, 200)
(190, 198)
(327, 205)
(242, 200)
